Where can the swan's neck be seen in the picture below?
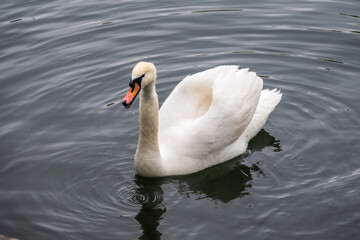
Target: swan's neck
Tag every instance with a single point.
(147, 157)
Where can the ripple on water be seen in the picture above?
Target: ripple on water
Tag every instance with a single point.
(129, 196)
(67, 158)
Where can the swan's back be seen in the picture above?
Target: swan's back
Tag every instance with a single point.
(210, 117)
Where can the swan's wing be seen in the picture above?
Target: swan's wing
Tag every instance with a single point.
(235, 97)
(208, 111)
(191, 98)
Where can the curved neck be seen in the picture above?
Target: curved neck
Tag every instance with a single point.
(147, 157)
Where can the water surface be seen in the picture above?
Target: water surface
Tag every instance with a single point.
(66, 158)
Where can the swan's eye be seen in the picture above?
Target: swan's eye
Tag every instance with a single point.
(131, 83)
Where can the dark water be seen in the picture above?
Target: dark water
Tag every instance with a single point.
(66, 159)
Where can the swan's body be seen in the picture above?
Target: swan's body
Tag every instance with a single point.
(208, 119)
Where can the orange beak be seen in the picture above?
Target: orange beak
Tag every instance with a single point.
(131, 95)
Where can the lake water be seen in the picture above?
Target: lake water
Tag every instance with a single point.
(66, 158)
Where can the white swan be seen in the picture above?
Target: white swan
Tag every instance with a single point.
(208, 119)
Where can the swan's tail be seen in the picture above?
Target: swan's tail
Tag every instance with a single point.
(267, 103)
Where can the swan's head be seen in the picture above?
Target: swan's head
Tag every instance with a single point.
(143, 74)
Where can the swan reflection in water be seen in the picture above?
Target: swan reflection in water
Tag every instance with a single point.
(223, 182)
